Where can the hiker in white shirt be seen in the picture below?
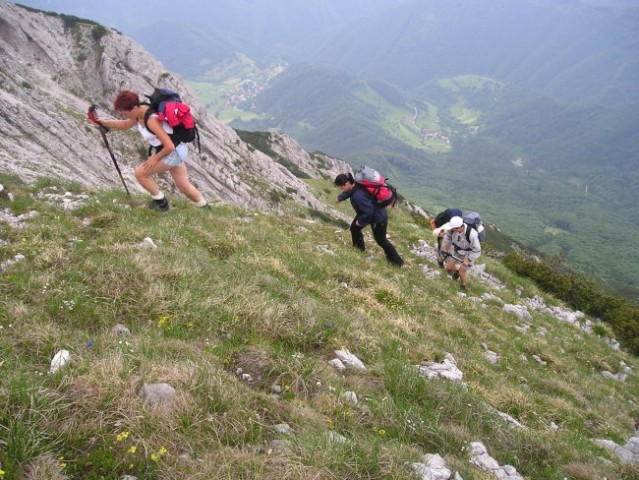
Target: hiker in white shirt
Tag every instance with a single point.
(461, 247)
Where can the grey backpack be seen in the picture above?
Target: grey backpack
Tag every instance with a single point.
(473, 220)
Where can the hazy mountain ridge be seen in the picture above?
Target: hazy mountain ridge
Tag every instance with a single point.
(263, 30)
(572, 49)
(562, 52)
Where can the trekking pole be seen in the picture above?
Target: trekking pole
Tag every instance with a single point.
(103, 131)
(450, 255)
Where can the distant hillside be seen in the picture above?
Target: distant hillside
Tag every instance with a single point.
(560, 176)
(267, 30)
(563, 49)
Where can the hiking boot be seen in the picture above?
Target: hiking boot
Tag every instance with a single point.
(162, 205)
(455, 275)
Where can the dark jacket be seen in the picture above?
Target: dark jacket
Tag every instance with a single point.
(445, 216)
(365, 206)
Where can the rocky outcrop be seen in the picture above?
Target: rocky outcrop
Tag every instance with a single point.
(53, 67)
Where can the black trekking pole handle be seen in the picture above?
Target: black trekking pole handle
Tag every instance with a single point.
(103, 131)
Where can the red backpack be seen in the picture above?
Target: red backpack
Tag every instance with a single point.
(385, 194)
(169, 107)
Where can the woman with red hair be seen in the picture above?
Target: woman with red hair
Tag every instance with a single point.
(166, 157)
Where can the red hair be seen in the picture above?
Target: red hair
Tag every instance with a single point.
(126, 100)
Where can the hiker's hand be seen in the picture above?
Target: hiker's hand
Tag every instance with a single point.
(149, 163)
(99, 123)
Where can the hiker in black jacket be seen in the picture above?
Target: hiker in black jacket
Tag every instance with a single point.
(368, 213)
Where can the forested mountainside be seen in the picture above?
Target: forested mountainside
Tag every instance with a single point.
(560, 176)
(568, 50)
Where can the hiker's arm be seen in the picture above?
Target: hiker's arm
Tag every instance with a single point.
(343, 196)
(475, 246)
(447, 242)
(114, 124)
(154, 126)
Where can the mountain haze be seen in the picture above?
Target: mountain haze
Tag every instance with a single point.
(577, 50)
(567, 50)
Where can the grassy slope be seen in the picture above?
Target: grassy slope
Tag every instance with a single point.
(229, 289)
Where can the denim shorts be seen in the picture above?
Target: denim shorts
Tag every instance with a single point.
(177, 156)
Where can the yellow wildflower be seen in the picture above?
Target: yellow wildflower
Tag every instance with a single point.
(122, 436)
(132, 449)
(154, 457)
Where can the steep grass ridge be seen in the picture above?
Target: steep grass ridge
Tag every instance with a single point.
(240, 315)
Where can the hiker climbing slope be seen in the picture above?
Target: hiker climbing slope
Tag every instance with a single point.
(460, 248)
(164, 155)
(367, 213)
(439, 226)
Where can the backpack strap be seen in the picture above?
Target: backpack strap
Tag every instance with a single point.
(469, 227)
(149, 111)
(467, 235)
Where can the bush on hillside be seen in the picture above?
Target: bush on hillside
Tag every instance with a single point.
(581, 293)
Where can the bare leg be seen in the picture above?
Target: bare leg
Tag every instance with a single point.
(144, 176)
(451, 266)
(181, 178)
(179, 175)
(463, 275)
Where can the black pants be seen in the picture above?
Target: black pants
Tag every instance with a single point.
(379, 233)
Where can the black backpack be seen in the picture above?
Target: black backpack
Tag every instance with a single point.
(170, 108)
